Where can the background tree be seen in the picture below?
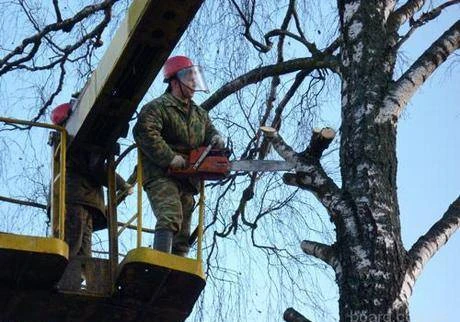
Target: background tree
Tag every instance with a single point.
(288, 65)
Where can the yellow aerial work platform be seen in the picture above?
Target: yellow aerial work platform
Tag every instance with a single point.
(31, 262)
(30, 266)
(37, 262)
(150, 286)
(169, 284)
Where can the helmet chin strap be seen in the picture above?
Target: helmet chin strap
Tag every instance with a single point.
(182, 91)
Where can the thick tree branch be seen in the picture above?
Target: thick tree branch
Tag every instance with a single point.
(310, 175)
(319, 142)
(259, 74)
(438, 234)
(405, 12)
(23, 202)
(424, 18)
(323, 252)
(418, 73)
(428, 245)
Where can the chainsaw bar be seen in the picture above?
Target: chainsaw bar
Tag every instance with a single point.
(261, 165)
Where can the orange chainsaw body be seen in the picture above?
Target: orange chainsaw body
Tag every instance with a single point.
(215, 166)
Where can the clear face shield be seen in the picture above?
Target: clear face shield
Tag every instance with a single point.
(193, 78)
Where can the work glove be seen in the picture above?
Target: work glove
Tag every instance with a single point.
(129, 189)
(178, 162)
(217, 141)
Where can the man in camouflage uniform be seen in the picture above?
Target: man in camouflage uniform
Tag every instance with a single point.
(167, 129)
(86, 173)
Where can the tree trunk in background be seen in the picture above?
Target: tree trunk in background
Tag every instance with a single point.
(373, 259)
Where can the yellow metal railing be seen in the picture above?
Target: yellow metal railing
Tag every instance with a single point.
(200, 222)
(62, 166)
(139, 199)
(61, 176)
(138, 214)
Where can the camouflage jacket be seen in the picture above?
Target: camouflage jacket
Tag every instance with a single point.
(85, 176)
(167, 126)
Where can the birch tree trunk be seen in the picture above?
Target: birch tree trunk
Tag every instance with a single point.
(374, 272)
(369, 244)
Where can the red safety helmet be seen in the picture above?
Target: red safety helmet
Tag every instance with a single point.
(182, 68)
(61, 113)
(175, 64)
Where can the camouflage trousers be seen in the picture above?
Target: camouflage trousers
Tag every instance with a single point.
(172, 203)
(78, 229)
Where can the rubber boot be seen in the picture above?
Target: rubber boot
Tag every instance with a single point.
(163, 240)
(180, 253)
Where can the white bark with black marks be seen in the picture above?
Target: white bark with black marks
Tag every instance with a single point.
(405, 87)
(427, 246)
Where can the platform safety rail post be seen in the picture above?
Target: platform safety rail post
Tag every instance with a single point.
(59, 174)
(139, 199)
(112, 217)
(200, 222)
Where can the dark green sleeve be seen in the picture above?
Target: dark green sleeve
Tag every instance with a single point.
(98, 170)
(210, 130)
(147, 134)
(101, 176)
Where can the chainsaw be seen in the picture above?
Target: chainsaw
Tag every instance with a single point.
(207, 163)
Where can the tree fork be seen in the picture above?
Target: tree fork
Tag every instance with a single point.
(310, 175)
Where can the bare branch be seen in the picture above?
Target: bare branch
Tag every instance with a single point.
(247, 22)
(50, 100)
(329, 50)
(298, 24)
(424, 18)
(276, 79)
(246, 196)
(16, 57)
(57, 11)
(133, 227)
(276, 123)
(278, 32)
(23, 202)
(258, 74)
(284, 26)
(405, 12)
(428, 245)
(94, 34)
(418, 73)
